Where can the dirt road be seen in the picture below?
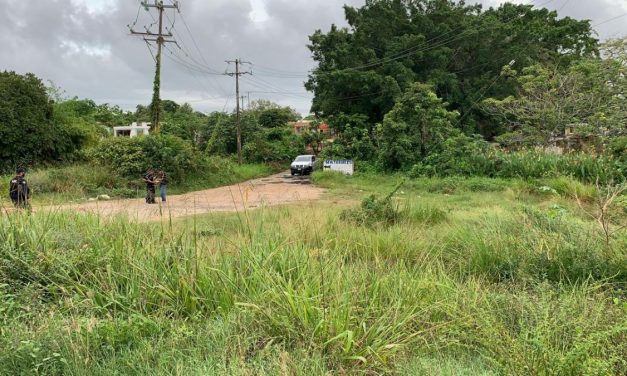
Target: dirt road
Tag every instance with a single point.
(272, 190)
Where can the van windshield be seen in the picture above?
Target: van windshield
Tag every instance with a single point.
(303, 158)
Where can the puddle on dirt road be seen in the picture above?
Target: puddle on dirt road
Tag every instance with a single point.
(287, 179)
(303, 182)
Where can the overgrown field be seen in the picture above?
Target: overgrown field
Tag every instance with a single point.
(82, 181)
(449, 276)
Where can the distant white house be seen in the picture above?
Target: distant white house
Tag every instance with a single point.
(132, 130)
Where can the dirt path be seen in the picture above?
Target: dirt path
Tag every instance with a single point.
(272, 190)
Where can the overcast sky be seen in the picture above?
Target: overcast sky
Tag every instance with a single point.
(84, 46)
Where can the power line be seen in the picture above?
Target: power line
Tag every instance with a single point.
(201, 68)
(284, 93)
(185, 50)
(268, 84)
(423, 47)
(563, 5)
(139, 8)
(191, 35)
(191, 69)
(610, 20)
(206, 99)
(179, 60)
(190, 64)
(150, 50)
(482, 93)
(273, 92)
(193, 64)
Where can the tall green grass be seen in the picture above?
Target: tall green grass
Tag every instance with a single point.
(83, 181)
(525, 164)
(490, 286)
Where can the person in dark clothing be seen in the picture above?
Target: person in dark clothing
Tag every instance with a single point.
(149, 178)
(18, 189)
(163, 183)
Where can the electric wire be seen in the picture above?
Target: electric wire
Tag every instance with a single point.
(610, 20)
(150, 50)
(195, 65)
(191, 70)
(416, 49)
(264, 84)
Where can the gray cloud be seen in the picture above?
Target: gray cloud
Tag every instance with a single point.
(84, 47)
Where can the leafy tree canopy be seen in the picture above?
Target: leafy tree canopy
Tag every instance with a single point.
(587, 98)
(416, 126)
(460, 49)
(29, 133)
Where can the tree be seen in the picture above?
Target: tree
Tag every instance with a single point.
(586, 99)
(27, 132)
(457, 48)
(313, 138)
(170, 106)
(185, 123)
(615, 49)
(416, 126)
(272, 145)
(276, 117)
(354, 140)
(111, 116)
(220, 134)
(77, 127)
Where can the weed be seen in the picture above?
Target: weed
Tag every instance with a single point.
(376, 211)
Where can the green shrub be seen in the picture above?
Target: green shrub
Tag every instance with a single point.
(77, 179)
(458, 156)
(130, 157)
(618, 148)
(465, 156)
(273, 145)
(375, 211)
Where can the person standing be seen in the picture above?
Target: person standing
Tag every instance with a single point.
(18, 189)
(149, 178)
(163, 183)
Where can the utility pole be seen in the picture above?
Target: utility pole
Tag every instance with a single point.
(242, 97)
(160, 39)
(237, 73)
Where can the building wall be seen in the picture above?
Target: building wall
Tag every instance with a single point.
(132, 130)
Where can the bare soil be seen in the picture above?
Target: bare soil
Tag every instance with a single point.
(272, 190)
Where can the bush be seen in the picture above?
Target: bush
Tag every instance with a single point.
(466, 156)
(74, 180)
(130, 157)
(458, 156)
(273, 145)
(373, 211)
(618, 148)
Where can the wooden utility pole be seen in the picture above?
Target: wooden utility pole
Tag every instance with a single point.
(237, 73)
(160, 39)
